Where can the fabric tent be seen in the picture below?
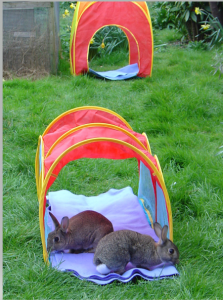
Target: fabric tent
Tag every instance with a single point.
(95, 132)
(132, 17)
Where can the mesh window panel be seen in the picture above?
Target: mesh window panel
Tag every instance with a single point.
(162, 213)
(146, 190)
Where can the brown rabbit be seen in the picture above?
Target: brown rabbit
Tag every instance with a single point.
(81, 233)
(118, 248)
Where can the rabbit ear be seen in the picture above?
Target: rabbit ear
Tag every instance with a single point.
(65, 224)
(161, 232)
(55, 221)
(164, 233)
(158, 229)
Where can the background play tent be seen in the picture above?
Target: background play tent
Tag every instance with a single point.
(132, 17)
(95, 132)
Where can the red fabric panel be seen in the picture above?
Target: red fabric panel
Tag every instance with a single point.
(105, 149)
(85, 116)
(89, 133)
(78, 118)
(134, 56)
(125, 14)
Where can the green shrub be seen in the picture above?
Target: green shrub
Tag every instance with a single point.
(66, 16)
(211, 28)
(179, 15)
(106, 40)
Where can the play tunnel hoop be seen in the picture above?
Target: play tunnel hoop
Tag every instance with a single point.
(39, 177)
(81, 108)
(92, 125)
(142, 154)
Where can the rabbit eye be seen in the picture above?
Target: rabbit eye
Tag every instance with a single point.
(56, 239)
(171, 251)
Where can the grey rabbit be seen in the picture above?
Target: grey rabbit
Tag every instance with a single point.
(81, 233)
(118, 248)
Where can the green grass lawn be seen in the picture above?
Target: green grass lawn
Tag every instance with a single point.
(181, 109)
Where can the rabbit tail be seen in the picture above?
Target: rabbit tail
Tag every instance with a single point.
(103, 269)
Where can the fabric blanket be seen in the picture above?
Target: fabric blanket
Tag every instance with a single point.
(123, 209)
(126, 72)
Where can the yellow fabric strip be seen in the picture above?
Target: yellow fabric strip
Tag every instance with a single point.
(147, 141)
(37, 175)
(147, 14)
(77, 17)
(72, 37)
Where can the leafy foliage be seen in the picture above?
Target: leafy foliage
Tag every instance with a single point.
(176, 14)
(66, 4)
(66, 16)
(212, 29)
(186, 10)
(198, 45)
(108, 39)
(164, 16)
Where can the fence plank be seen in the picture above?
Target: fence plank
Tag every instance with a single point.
(24, 5)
